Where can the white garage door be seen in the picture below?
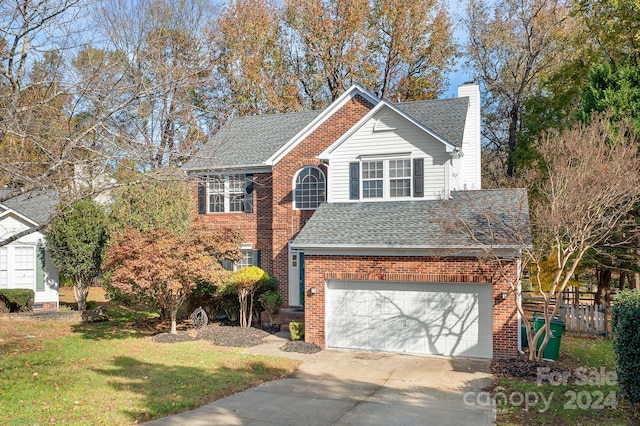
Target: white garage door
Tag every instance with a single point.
(418, 318)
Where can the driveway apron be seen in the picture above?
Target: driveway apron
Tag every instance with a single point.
(356, 388)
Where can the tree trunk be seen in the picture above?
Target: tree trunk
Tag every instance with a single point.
(80, 294)
(623, 276)
(174, 314)
(636, 280)
(604, 286)
(511, 143)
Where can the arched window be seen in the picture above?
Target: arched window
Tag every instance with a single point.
(310, 189)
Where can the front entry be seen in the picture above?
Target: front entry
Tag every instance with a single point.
(296, 277)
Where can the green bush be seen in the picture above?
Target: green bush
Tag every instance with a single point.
(271, 301)
(296, 329)
(626, 344)
(17, 299)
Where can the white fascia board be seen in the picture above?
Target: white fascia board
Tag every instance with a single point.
(325, 155)
(244, 169)
(9, 212)
(359, 250)
(328, 112)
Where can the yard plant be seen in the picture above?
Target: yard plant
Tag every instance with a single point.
(626, 343)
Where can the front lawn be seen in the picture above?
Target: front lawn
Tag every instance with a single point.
(110, 373)
(579, 389)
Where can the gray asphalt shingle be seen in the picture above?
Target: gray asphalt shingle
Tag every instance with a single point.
(422, 224)
(35, 205)
(251, 140)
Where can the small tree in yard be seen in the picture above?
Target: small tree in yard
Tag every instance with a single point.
(76, 238)
(586, 184)
(248, 281)
(161, 267)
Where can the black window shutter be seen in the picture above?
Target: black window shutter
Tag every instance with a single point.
(354, 180)
(418, 177)
(257, 261)
(202, 195)
(248, 193)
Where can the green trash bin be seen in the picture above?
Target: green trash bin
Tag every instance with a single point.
(552, 350)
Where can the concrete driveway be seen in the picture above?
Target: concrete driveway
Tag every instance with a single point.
(355, 388)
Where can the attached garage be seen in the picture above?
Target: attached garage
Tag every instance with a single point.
(407, 317)
(398, 277)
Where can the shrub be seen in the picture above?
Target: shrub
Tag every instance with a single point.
(17, 299)
(626, 344)
(296, 329)
(249, 281)
(271, 301)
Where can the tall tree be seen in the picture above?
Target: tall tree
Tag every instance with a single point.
(412, 47)
(168, 65)
(329, 43)
(512, 44)
(76, 239)
(251, 59)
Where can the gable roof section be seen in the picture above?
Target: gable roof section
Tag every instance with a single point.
(260, 141)
(448, 117)
(249, 141)
(36, 206)
(422, 225)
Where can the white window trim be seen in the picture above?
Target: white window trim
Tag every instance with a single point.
(295, 179)
(226, 193)
(386, 179)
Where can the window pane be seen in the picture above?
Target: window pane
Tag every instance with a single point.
(216, 203)
(372, 174)
(399, 178)
(400, 188)
(236, 202)
(372, 189)
(310, 188)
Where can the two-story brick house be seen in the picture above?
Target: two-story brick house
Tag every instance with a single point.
(368, 267)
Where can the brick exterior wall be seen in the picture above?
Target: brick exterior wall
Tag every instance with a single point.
(274, 222)
(320, 268)
(45, 306)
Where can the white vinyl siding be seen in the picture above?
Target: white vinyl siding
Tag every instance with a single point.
(4, 268)
(406, 139)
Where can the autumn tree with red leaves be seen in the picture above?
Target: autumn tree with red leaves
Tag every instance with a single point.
(160, 267)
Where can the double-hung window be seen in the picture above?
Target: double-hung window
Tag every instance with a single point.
(226, 194)
(386, 178)
(372, 179)
(250, 257)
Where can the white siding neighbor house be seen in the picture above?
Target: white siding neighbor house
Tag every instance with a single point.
(25, 262)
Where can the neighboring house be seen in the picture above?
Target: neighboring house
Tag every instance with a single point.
(337, 205)
(26, 263)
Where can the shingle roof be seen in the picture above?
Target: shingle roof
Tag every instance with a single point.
(35, 205)
(251, 140)
(428, 224)
(446, 117)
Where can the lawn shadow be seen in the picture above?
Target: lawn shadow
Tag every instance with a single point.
(166, 389)
(123, 323)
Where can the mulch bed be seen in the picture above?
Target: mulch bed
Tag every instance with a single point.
(523, 368)
(229, 335)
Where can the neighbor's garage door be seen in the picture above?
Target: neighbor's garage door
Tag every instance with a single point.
(417, 318)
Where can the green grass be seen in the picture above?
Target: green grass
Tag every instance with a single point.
(590, 400)
(109, 374)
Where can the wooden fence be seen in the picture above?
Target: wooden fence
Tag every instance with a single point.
(585, 319)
